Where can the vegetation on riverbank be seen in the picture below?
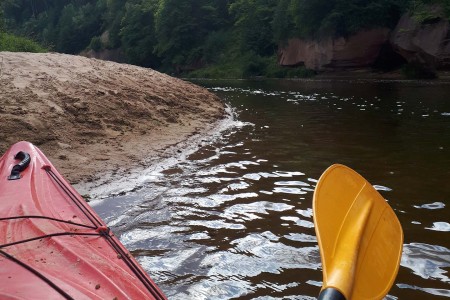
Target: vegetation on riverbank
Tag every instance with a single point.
(205, 38)
(12, 43)
(250, 65)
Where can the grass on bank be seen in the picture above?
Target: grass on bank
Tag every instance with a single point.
(248, 66)
(415, 70)
(12, 43)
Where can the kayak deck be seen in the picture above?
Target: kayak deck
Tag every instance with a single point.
(53, 245)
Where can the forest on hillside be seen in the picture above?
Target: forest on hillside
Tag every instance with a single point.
(240, 37)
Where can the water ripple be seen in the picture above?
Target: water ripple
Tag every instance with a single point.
(250, 210)
(287, 190)
(299, 222)
(435, 205)
(427, 261)
(301, 237)
(382, 188)
(440, 226)
(437, 292)
(292, 183)
(217, 225)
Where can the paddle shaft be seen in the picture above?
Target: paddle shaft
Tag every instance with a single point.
(331, 294)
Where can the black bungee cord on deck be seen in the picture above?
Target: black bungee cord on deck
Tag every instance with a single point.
(97, 225)
(47, 218)
(28, 267)
(35, 272)
(105, 232)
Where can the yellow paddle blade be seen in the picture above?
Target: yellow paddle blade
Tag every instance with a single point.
(359, 235)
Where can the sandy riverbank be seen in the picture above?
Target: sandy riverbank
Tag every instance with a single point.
(91, 117)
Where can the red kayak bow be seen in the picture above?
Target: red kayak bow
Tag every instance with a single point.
(52, 244)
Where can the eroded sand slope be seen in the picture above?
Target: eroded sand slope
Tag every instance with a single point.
(91, 116)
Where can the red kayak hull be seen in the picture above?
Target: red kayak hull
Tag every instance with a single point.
(52, 243)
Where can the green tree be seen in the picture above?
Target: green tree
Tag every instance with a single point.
(137, 33)
(253, 25)
(181, 27)
(308, 15)
(67, 25)
(115, 10)
(2, 20)
(282, 23)
(77, 26)
(318, 18)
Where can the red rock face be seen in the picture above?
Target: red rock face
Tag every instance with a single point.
(427, 44)
(424, 43)
(357, 51)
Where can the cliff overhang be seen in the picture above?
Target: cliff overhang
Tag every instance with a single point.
(426, 43)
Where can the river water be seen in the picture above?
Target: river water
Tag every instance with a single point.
(234, 220)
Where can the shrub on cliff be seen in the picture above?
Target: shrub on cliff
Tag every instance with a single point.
(416, 70)
(2, 20)
(317, 18)
(96, 43)
(274, 70)
(429, 11)
(251, 65)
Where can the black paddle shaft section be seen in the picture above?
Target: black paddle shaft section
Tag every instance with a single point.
(25, 160)
(331, 294)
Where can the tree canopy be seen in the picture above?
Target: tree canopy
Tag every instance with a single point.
(179, 35)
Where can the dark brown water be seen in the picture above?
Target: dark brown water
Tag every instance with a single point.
(234, 220)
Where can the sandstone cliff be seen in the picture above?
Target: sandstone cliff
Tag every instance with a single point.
(428, 43)
(424, 42)
(360, 50)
